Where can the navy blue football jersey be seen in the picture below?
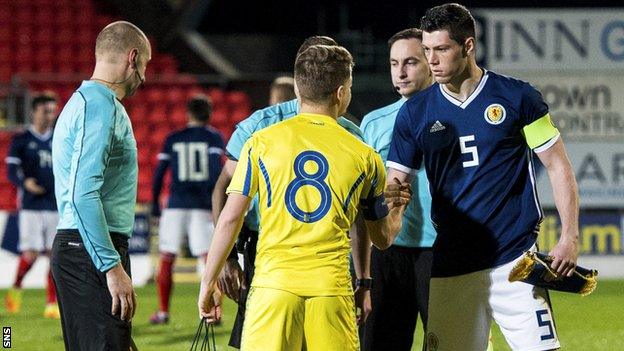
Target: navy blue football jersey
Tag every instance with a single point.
(30, 156)
(195, 157)
(484, 200)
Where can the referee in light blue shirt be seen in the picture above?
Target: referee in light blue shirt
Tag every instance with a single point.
(95, 168)
(400, 289)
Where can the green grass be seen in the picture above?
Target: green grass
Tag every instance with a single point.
(595, 322)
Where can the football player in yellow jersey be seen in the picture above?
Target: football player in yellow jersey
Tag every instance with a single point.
(312, 177)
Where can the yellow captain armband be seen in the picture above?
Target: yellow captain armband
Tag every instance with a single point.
(541, 134)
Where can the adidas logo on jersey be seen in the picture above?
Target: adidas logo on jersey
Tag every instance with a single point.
(436, 127)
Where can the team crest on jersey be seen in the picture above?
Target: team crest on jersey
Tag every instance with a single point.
(32, 145)
(432, 342)
(495, 114)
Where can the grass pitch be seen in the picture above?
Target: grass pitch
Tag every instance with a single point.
(595, 322)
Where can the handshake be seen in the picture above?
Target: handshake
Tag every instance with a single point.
(397, 194)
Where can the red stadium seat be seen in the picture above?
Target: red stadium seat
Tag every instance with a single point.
(158, 115)
(6, 53)
(5, 15)
(5, 73)
(219, 117)
(157, 137)
(141, 133)
(238, 99)
(44, 18)
(175, 95)
(144, 159)
(155, 96)
(64, 16)
(6, 32)
(178, 116)
(239, 114)
(217, 96)
(138, 112)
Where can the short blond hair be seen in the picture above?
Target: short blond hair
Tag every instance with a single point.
(320, 70)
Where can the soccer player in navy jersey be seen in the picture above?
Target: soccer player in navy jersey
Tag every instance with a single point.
(476, 133)
(194, 155)
(30, 169)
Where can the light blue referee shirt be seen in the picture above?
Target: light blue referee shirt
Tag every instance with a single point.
(261, 119)
(94, 159)
(417, 229)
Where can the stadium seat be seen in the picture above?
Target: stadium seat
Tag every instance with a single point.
(6, 32)
(50, 36)
(238, 99)
(178, 116)
(155, 96)
(175, 96)
(219, 117)
(238, 114)
(158, 136)
(137, 112)
(158, 115)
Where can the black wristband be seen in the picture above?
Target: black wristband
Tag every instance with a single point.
(364, 283)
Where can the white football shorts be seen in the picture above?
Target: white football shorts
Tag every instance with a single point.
(177, 222)
(37, 229)
(461, 309)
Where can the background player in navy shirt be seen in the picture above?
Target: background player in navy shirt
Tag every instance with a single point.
(30, 169)
(194, 155)
(476, 133)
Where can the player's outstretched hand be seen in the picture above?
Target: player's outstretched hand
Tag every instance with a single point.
(30, 184)
(363, 304)
(122, 293)
(209, 302)
(397, 193)
(564, 254)
(232, 280)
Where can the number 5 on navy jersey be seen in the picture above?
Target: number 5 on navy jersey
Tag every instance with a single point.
(472, 150)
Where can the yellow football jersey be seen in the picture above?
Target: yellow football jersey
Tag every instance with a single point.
(311, 176)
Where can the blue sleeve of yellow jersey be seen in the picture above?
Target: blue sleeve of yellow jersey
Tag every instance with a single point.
(372, 202)
(404, 154)
(89, 159)
(245, 178)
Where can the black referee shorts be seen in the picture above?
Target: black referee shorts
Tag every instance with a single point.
(399, 294)
(249, 241)
(83, 296)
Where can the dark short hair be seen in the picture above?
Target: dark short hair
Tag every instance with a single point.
(452, 17)
(42, 99)
(409, 33)
(200, 107)
(316, 40)
(320, 70)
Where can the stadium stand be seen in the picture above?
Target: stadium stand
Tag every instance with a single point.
(43, 43)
